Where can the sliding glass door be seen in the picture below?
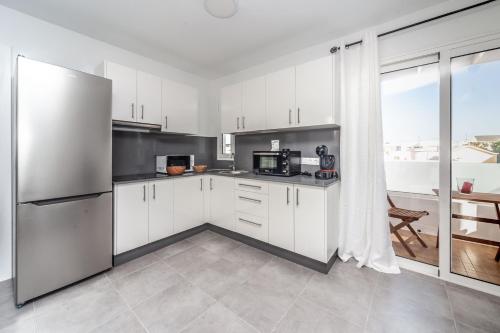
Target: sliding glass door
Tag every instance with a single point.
(475, 165)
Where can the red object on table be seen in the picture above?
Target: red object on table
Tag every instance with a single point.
(466, 188)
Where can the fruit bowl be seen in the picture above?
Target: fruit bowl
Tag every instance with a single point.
(176, 170)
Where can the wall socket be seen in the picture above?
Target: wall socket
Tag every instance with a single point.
(310, 160)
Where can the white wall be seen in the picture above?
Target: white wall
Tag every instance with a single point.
(43, 41)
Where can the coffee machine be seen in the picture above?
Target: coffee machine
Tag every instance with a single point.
(326, 164)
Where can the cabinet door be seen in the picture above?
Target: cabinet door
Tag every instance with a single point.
(131, 216)
(222, 201)
(281, 220)
(148, 98)
(230, 108)
(310, 222)
(188, 203)
(280, 97)
(124, 93)
(161, 209)
(254, 105)
(180, 108)
(314, 92)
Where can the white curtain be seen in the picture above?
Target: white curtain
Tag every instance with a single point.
(364, 225)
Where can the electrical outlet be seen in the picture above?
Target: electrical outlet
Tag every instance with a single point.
(310, 160)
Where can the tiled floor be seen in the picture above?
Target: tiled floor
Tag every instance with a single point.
(469, 258)
(210, 283)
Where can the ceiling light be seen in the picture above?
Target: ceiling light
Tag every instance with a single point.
(221, 8)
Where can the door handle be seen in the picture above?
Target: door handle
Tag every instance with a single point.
(154, 191)
(251, 222)
(248, 185)
(211, 185)
(144, 193)
(142, 111)
(132, 106)
(297, 196)
(298, 115)
(249, 199)
(243, 121)
(166, 121)
(66, 199)
(237, 122)
(287, 195)
(201, 184)
(290, 116)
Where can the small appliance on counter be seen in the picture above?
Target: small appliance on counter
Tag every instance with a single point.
(164, 161)
(277, 163)
(326, 164)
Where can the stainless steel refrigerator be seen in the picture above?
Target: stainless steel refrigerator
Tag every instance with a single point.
(62, 177)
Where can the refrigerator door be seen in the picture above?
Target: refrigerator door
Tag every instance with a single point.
(61, 242)
(63, 132)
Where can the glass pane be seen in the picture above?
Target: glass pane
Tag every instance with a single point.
(227, 144)
(410, 110)
(268, 162)
(475, 166)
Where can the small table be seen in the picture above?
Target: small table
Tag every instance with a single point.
(492, 198)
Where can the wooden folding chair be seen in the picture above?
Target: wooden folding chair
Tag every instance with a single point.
(406, 216)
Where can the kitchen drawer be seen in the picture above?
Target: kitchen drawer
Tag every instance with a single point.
(251, 186)
(252, 226)
(251, 203)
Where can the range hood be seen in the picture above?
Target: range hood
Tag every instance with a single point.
(129, 126)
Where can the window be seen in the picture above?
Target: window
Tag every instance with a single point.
(226, 146)
(410, 112)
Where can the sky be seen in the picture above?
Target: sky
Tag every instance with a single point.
(410, 103)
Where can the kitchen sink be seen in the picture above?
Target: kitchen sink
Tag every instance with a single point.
(232, 172)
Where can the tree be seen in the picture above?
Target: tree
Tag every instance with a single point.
(495, 147)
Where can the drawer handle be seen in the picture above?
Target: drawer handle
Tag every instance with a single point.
(252, 186)
(250, 199)
(251, 222)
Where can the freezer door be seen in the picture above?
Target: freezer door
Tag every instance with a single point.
(61, 242)
(63, 132)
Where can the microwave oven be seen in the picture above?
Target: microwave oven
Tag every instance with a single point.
(285, 162)
(163, 161)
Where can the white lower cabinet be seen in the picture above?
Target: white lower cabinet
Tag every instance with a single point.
(221, 201)
(161, 209)
(310, 222)
(131, 216)
(188, 203)
(252, 226)
(281, 217)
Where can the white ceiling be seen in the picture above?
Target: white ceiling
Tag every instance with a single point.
(182, 34)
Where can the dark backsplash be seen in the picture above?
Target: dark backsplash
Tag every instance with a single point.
(134, 152)
(305, 140)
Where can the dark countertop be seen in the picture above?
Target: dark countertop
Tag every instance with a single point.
(299, 180)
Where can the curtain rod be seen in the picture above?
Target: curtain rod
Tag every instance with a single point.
(336, 48)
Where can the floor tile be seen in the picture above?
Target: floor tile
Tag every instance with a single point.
(83, 313)
(421, 291)
(248, 256)
(389, 315)
(349, 270)
(125, 322)
(474, 308)
(220, 245)
(174, 249)
(219, 319)
(134, 265)
(220, 277)
(260, 306)
(174, 308)
(138, 286)
(305, 317)
(12, 317)
(463, 328)
(23, 326)
(202, 237)
(191, 260)
(348, 296)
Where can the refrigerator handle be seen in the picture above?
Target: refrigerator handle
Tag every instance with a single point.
(66, 199)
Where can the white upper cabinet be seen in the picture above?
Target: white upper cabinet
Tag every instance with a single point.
(161, 209)
(280, 98)
(253, 115)
(124, 91)
(231, 102)
(148, 98)
(314, 92)
(179, 108)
